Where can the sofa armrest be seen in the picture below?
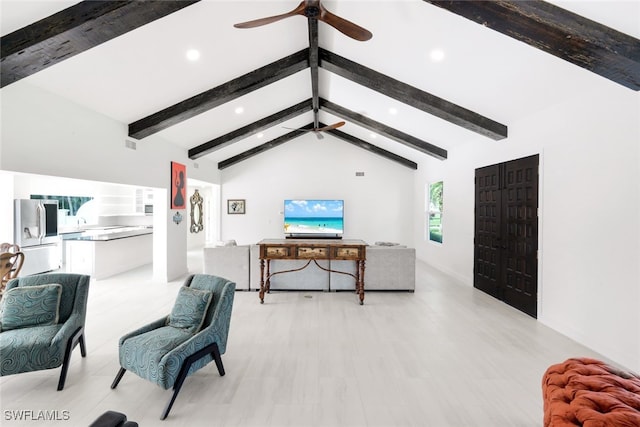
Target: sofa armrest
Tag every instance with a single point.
(230, 262)
(390, 268)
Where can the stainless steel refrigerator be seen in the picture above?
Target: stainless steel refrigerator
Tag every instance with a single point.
(36, 232)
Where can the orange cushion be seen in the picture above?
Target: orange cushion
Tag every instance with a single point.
(589, 393)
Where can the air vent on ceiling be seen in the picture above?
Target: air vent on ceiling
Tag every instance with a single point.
(359, 173)
(130, 144)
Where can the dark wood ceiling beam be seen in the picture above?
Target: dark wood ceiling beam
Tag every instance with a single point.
(578, 40)
(384, 130)
(219, 95)
(245, 131)
(313, 66)
(296, 133)
(372, 148)
(412, 96)
(73, 30)
(261, 148)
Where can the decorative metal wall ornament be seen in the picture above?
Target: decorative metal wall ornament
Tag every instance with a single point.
(177, 218)
(196, 212)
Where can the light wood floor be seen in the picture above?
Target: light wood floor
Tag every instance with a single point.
(444, 356)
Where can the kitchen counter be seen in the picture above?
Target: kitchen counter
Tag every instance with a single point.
(105, 251)
(106, 233)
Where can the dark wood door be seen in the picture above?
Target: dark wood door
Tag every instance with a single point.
(488, 231)
(506, 232)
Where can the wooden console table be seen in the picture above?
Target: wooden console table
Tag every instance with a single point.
(311, 250)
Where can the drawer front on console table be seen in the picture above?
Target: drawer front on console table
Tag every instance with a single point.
(277, 252)
(312, 252)
(348, 253)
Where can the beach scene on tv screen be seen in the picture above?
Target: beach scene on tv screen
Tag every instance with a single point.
(313, 216)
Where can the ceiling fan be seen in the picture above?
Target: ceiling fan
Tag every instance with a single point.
(313, 9)
(317, 130)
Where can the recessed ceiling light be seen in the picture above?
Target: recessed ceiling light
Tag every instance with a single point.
(193, 55)
(259, 135)
(239, 110)
(373, 135)
(437, 55)
(393, 111)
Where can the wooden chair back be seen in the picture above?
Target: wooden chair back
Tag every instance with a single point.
(10, 266)
(9, 247)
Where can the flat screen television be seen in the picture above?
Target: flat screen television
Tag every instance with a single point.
(313, 218)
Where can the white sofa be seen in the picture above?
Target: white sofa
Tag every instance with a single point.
(230, 262)
(387, 268)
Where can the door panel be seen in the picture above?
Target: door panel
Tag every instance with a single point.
(521, 220)
(514, 238)
(487, 226)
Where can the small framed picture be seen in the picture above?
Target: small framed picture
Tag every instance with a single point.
(235, 206)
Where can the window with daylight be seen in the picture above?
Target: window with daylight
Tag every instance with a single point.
(435, 212)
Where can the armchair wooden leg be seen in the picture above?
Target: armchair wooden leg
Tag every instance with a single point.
(218, 359)
(83, 348)
(77, 337)
(184, 371)
(118, 377)
(176, 389)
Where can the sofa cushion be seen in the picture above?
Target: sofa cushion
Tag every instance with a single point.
(189, 309)
(27, 306)
(381, 243)
(390, 245)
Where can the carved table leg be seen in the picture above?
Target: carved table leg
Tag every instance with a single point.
(268, 283)
(361, 282)
(261, 281)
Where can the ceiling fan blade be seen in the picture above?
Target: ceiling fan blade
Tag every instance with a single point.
(268, 20)
(300, 129)
(329, 127)
(347, 28)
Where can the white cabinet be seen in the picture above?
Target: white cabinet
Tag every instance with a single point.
(103, 258)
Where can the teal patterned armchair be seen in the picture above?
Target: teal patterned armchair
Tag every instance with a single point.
(41, 321)
(168, 350)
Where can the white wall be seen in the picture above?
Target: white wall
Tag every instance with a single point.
(589, 216)
(47, 135)
(378, 206)
(6, 207)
